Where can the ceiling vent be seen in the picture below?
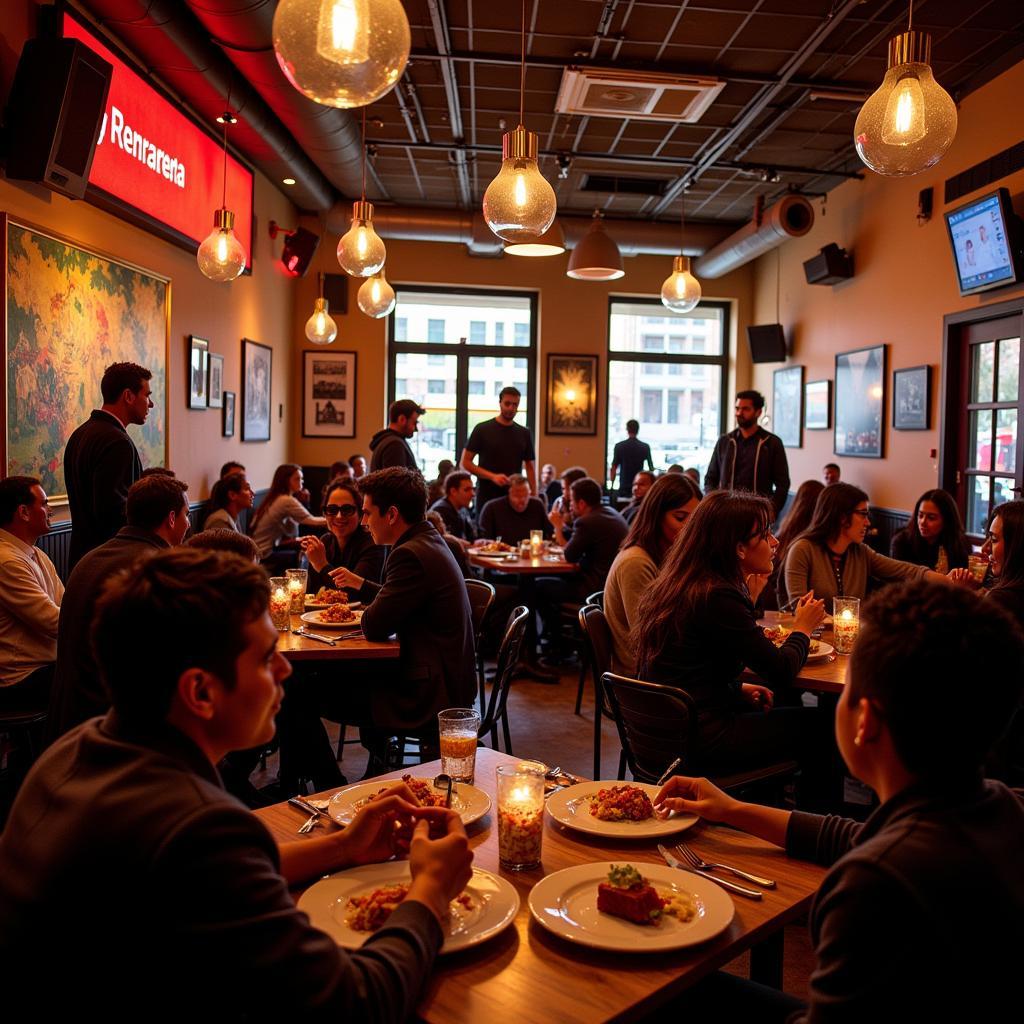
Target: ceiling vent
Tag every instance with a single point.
(641, 95)
(624, 186)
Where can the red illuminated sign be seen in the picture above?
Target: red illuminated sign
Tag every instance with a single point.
(156, 160)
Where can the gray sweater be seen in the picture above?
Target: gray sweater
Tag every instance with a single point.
(632, 572)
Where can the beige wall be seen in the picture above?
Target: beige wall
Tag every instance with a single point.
(904, 284)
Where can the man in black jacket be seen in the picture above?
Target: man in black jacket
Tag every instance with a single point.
(101, 461)
(453, 508)
(749, 458)
(390, 446)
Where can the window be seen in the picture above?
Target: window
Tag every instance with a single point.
(477, 332)
(401, 387)
(401, 328)
(435, 330)
(521, 334)
(476, 387)
(435, 387)
(499, 333)
(650, 404)
(676, 406)
(435, 359)
(653, 343)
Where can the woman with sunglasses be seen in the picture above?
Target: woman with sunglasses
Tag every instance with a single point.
(346, 545)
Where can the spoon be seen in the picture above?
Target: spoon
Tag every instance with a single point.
(443, 781)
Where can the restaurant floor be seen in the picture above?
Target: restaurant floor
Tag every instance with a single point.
(543, 726)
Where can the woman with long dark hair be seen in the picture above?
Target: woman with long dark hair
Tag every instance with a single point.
(798, 518)
(697, 629)
(934, 537)
(277, 520)
(231, 495)
(1004, 549)
(662, 514)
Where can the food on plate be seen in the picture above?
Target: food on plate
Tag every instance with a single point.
(337, 613)
(327, 595)
(621, 803)
(368, 913)
(678, 904)
(627, 894)
(493, 547)
(422, 789)
(780, 634)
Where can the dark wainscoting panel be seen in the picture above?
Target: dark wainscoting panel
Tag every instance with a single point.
(886, 522)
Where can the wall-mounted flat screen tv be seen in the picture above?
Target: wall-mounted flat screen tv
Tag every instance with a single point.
(986, 243)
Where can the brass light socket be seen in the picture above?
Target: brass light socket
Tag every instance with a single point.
(910, 48)
(681, 265)
(362, 210)
(223, 219)
(519, 144)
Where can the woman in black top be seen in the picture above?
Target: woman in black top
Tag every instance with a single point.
(698, 630)
(346, 544)
(934, 537)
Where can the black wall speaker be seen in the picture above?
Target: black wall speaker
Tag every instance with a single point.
(336, 292)
(767, 343)
(299, 249)
(830, 266)
(54, 114)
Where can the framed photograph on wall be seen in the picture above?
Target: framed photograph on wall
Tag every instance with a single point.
(572, 395)
(818, 405)
(328, 394)
(215, 382)
(198, 368)
(788, 405)
(912, 398)
(257, 371)
(860, 403)
(229, 414)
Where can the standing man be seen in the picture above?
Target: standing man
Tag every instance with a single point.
(454, 506)
(502, 448)
(830, 474)
(101, 461)
(750, 458)
(630, 456)
(390, 446)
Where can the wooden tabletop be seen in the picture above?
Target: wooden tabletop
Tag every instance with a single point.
(528, 976)
(824, 676)
(523, 566)
(299, 648)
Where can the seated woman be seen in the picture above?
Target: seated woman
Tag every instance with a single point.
(798, 518)
(830, 556)
(892, 916)
(934, 537)
(231, 495)
(668, 504)
(346, 544)
(276, 523)
(697, 629)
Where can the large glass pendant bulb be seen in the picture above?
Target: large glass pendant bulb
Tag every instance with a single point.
(596, 256)
(342, 53)
(320, 327)
(361, 252)
(519, 204)
(221, 257)
(376, 297)
(909, 122)
(681, 290)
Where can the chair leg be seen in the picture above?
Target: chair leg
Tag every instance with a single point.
(622, 765)
(504, 729)
(582, 683)
(342, 730)
(481, 682)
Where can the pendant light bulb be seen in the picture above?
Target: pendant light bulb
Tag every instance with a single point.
(681, 291)
(221, 257)
(361, 252)
(376, 297)
(320, 327)
(519, 204)
(910, 121)
(342, 53)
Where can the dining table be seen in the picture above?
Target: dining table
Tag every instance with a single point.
(526, 975)
(348, 644)
(822, 675)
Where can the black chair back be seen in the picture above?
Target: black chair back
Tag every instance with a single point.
(508, 661)
(597, 639)
(596, 599)
(481, 596)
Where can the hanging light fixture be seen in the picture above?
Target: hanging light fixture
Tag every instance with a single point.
(321, 328)
(519, 204)
(221, 256)
(909, 122)
(376, 297)
(551, 243)
(681, 291)
(342, 53)
(361, 252)
(596, 256)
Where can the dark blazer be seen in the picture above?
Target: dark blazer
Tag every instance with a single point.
(360, 554)
(100, 463)
(77, 692)
(456, 521)
(423, 599)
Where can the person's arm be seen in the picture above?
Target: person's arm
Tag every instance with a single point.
(486, 522)
(294, 509)
(370, 563)
(556, 519)
(780, 477)
(635, 575)
(470, 466)
(579, 543)
(796, 570)
(883, 568)
(530, 472)
(712, 476)
(400, 596)
(23, 598)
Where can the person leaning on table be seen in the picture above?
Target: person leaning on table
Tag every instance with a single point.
(153, 892)
(921, 916)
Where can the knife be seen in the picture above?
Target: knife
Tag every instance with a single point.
(674, 862)
(314, 636)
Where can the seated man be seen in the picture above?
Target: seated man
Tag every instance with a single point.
(513, 516)
(922, 914)
(30, 596)
(642, 483)
(143, 824)
(454, 506)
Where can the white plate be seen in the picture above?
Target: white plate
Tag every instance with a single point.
(823, 653)
(502, 556)
(313, 606)
(471, 803)
(313, 618)
(571, 807)
(566, 903)
(326, 903)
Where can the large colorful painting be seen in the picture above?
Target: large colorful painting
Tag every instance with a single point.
(69, 314)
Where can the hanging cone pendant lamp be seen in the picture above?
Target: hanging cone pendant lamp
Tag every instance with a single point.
(596, 257)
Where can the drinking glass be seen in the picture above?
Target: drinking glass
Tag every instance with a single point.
(977, 565)
(297, 589)
(459, 728)
(280, 603)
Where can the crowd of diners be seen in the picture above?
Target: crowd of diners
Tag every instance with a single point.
(132, 842)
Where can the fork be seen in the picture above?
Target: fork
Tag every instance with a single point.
(702, 865)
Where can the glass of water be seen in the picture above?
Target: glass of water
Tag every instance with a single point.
(459, 728)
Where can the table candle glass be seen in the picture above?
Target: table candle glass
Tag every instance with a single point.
(524, 549)
(977, 565)
(845, 623)
(536, 543)
(520, 814)
(297, 589)
(459, 728)
(280, 602)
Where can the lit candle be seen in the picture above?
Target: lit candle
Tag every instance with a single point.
(280, 602)
(520, 815)
(536, 543)
(297, 589)
(845, 623)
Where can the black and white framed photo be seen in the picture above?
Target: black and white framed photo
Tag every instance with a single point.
(257, 370)
(912, 398)
(328, 394)
(818, 405)
(198, 367)
(229, 414)
(860, 403)
(787, 405)
(215, 382)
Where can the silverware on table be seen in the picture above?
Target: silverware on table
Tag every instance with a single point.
(668, 771)
(702, 865)
(444, 782)
(675, 862)
(314, 636)
(314, 814)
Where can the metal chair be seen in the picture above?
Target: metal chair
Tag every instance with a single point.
(508, 660)
(481, 597)
(598, 646)
(596, 600)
